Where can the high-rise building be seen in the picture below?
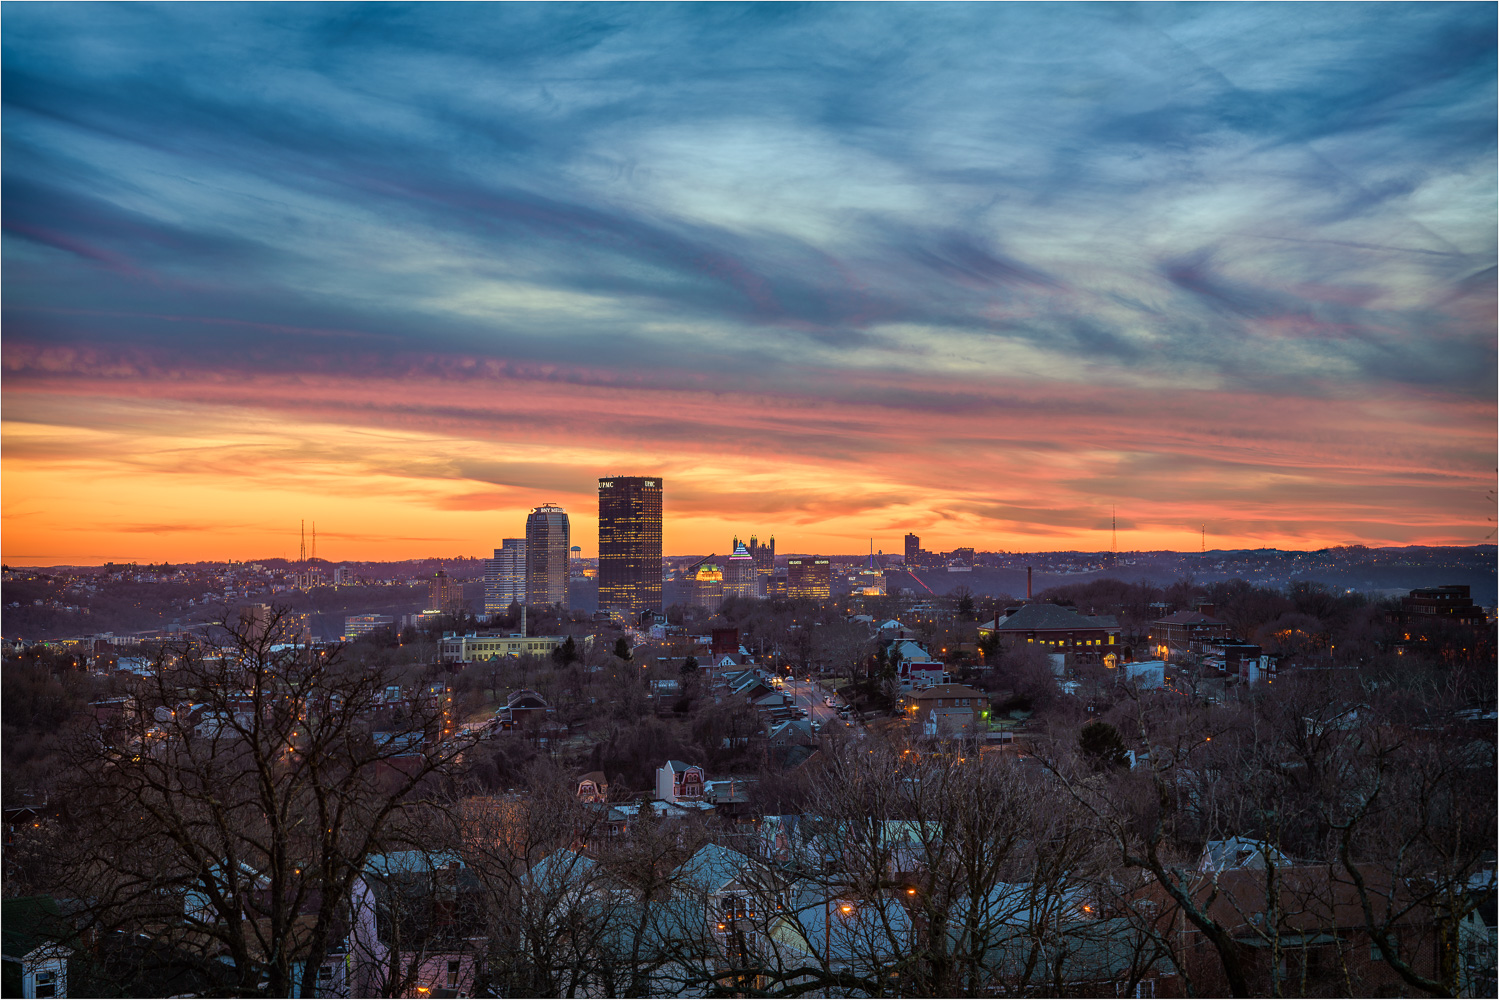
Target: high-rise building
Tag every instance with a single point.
(444, 593)
(913, 549)
(630, 544)
(505, 577)
(809, 578)
(547, 543)
(740, 578)
(707, 578)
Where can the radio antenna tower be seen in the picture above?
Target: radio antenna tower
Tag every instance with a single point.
(302, 552)
(1204, 539)
(314, 540)
(1114, 518)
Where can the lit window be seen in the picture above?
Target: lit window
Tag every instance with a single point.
(453, 973)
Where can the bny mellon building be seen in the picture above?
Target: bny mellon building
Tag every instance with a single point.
(630, 545)
(546, 555)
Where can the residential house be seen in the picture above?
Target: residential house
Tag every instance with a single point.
(593, 788)
(677, 781)
(418, 926)
(37, 943)
(1307, 925)
(946, 710)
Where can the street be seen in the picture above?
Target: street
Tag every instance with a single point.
(809, 695)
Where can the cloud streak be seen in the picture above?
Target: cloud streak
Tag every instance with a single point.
(1050, 254)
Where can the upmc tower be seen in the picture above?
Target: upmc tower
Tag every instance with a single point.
(630, 545)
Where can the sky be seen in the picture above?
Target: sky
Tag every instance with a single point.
(987, 273)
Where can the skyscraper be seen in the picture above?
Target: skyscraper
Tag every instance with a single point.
(505, 577)
(444, 593)
(707, 583)
(740, 579)
(630, 544)
(809, 578)
(547, 543)
(913, 550)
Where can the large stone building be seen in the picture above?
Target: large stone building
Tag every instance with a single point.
(1088, 638)
(1176, 634)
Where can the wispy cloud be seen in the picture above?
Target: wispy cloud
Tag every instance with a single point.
(1087, 250)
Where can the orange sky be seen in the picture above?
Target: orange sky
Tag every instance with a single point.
(120, 463)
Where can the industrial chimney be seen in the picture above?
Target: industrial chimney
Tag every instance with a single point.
(1027, 583)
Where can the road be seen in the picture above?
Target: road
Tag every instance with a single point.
(809, 695)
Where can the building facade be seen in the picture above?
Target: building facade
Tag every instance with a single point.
(479, 646)
(809, 578)
(707, 583)
(444, 593)
(357, 625)
(548, 539)
(505, 577)
(741, 578)
(630, 544)
(1176, 634)
(1087, 638)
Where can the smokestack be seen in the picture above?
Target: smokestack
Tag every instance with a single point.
(1027, 583)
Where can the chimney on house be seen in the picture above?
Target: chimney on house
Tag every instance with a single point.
(1204, 608)
(1027, 583)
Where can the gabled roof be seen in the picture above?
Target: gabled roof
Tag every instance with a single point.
(1041, 617)
(680, 767)
(31, 922)
(948, 691)
(713, 868)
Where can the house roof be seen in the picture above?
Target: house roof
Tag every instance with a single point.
(31, 922)
(679, 766)
(1041, 617)
(947, 691)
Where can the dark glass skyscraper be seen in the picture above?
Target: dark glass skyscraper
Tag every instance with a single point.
(629, 544)
(547, 544)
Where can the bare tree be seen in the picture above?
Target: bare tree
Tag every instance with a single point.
(233, 811)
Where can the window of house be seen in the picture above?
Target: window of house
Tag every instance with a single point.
(324, 977)
(1374, 952)
(453, 967)
(46, 983)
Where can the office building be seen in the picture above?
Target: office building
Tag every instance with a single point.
(913, 549)
(765, 558)
(630, 545)
(809, 578)
(444, 593)
(707, 578)
(741, 578)
(505, 577)
(357, 625)
(547, 542)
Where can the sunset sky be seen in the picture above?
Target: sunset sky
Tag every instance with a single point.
(833, 272)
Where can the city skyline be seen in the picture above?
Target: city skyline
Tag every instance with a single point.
(980, 274)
